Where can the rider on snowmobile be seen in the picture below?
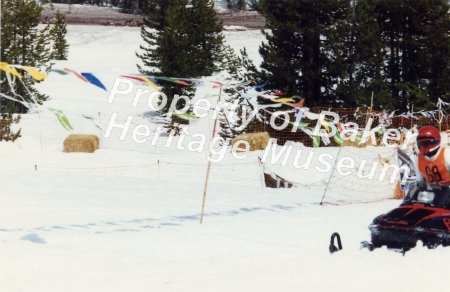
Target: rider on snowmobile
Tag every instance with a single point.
(433, 160)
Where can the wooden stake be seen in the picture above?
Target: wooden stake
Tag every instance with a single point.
(209, 161)
(441, 118)
(157, 165)
(370, 108)
(371, 104)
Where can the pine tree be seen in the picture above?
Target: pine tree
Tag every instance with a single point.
(181, 41)
(340, 51)
(237, 106)
(151, 32)
(437, 27)
(253, 4)
(355, 61)
(58, 33)
(293, 56)
(391, 16)
(22, 43)
(193, 39)
(416, 41)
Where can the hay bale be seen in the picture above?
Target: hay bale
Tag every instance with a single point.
(257, 141)
(81, 143)
(358, 144)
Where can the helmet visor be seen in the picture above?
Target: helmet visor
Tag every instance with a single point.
(427, 142)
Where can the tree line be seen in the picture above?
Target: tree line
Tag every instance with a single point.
(332, 52)
(339, 52)
(336, 53)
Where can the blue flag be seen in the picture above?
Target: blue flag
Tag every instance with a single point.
(93, 80)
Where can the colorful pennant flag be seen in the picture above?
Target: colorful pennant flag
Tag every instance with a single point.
(217, 84)
(94, 80)
(183, 82)
(338, 139)
(163, 78)
(260, 86)
(186, 116)
(299, 102)
(35, 73)
(316, 141)
(299, 124)
(10, 70)
(143, 79)
(59, 71)
(62, 119)
(76, 74)
(134, 77)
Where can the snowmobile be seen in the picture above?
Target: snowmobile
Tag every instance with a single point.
(423, 215)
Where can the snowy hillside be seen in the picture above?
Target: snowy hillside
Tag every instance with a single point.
(126, 218)
(111, 16)
(221, 5)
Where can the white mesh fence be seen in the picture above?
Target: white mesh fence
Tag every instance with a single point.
(353, 175)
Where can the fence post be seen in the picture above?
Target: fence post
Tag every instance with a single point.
(157, 169)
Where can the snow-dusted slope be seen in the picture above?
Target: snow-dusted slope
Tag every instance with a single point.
(220, 5)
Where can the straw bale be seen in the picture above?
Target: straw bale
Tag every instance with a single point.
(81, 143)
(257, 141)
(358, 144)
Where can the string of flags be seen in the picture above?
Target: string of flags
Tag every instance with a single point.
(150, 81)
(83, 76)
(264, 100)
(12, 73)
(342, 134)
(12, 69)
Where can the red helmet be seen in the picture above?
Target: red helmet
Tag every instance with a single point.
(428, 140)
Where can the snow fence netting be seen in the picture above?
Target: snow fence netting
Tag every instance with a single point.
(339, 175)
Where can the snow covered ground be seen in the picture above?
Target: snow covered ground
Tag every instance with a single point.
(126, 218)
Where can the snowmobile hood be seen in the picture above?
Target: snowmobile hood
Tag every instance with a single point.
(412, 215)
(423, 215)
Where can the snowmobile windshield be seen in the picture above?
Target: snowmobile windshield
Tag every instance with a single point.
(425, 197)
(429, 194)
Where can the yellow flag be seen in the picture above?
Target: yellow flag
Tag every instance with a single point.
(151, 84)
(8, 69)
(324, 123)
(283, 99)
(35, 73)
